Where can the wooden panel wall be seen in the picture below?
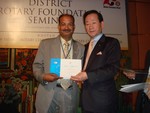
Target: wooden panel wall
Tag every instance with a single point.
(139, 31)
(139, 34)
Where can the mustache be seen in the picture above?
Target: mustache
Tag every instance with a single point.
(66, 30)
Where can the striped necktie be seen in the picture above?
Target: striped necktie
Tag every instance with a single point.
(66, 50)
(66, 83)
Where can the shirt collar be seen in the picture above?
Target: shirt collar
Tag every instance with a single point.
(63, 41)
(98, 37)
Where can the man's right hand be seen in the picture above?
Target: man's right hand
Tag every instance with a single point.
(130, 74)
(49, 77)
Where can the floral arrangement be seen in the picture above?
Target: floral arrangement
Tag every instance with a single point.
(15, 83)
(24, 61)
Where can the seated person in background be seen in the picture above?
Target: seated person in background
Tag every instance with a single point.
(143, 98)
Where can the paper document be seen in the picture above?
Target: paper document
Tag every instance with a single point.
(134, 87)
(65, 67)
(139, 86)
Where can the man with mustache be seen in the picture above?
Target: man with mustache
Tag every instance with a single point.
(51, 96)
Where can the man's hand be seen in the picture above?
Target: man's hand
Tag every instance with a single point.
(49, 77)
(80, 77)
(130, 74)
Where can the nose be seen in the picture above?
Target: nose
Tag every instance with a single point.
(66, 26)
(90, 26)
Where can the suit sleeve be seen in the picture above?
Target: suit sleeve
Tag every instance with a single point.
(38, 64)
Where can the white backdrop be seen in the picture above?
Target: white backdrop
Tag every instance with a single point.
(24, 23)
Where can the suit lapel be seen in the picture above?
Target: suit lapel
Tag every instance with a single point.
(99, 47)
(75, 49)
(57, 46)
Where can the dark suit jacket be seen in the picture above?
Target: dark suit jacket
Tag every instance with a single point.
(143, 103)
(99, 90)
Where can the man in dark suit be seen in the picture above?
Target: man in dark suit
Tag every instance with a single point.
(99, 93)
(143, 98)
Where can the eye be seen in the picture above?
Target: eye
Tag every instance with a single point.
(94, 23)
(87, 24)
(62, 24)
(70, 25)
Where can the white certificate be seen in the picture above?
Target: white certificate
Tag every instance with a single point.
(70, 67)
(65, 67)
(134, 87)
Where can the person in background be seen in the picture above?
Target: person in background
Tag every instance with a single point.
(143, 97)
(51, 97)
(99, 94)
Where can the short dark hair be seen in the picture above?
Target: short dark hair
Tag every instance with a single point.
(99, 15)
(66, 15)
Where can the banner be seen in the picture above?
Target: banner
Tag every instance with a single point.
(24, 23)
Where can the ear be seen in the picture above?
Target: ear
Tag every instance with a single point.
(74, 27)
(102, 24)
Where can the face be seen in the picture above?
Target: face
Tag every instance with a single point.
(92, 25)
(66, 27)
